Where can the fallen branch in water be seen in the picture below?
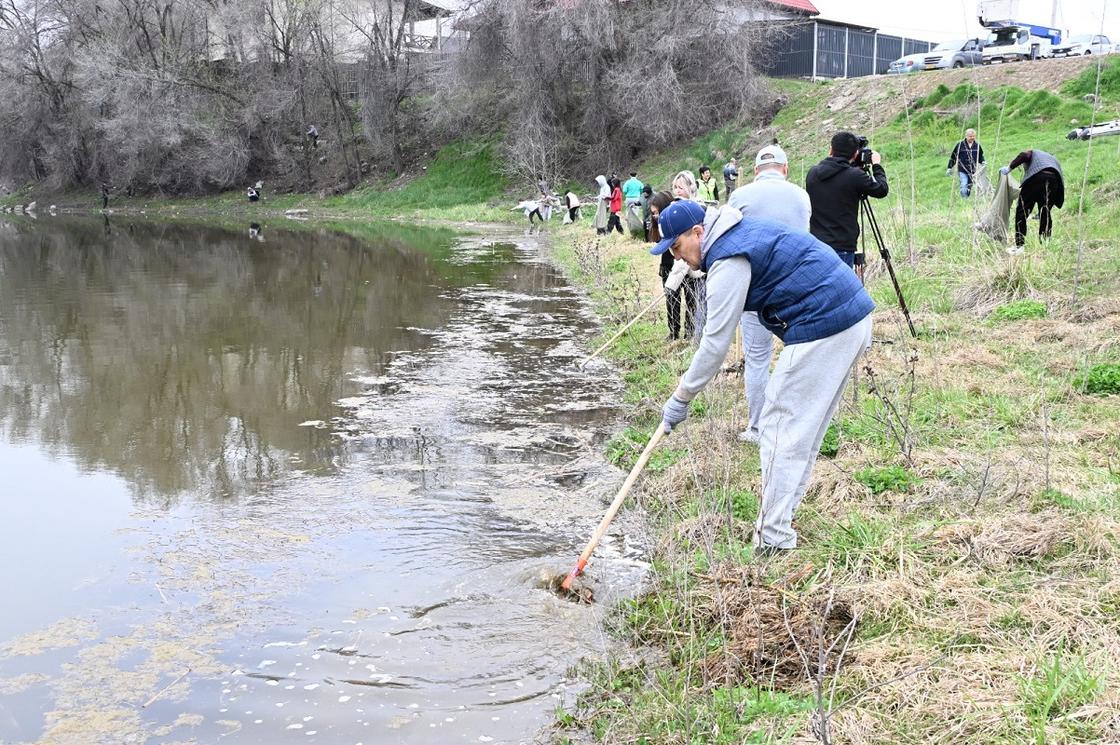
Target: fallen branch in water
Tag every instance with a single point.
(164, 690)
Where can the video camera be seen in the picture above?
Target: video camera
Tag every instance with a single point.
(863, 152)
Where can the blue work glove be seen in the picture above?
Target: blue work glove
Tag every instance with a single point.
(673, 413)
(1004, 171)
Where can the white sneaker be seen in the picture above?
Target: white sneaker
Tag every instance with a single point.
(749, 435)
(1015, 250)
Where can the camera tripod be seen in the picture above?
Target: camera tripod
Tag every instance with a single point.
(867, 215)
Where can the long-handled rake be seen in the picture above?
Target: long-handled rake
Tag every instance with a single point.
(613, 509)
(621, 331)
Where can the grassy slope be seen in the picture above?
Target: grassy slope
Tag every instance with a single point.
(966, 514)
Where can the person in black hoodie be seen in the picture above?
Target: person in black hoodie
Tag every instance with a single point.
(836, 185)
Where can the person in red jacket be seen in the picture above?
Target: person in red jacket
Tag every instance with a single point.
(615, 220)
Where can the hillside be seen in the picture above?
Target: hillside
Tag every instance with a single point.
(957, 576)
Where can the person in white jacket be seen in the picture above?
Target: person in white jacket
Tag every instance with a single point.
(601, 205)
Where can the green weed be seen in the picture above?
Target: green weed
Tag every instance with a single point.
(830, 445)
(1019, 310)
(1100, 380)
(888, 478)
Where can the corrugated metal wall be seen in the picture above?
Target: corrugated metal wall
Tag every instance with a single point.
(830, 51)
(796, 52)
(912, 46)
(842, 51)
(861, 53)
(890, 49)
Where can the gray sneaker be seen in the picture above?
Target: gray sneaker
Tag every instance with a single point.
(769, 552)
(749, 435)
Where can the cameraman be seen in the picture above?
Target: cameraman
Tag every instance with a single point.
(836, 185)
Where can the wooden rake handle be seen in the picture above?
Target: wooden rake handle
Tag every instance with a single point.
(621, 331)
(600, 531)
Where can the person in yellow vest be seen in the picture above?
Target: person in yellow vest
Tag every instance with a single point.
(707, 188)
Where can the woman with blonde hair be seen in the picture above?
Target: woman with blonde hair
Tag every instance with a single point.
(684, 186)
(695, 292)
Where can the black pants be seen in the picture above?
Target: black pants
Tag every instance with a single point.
(573, 213)
(673, 307)
(614, 221)
(1041, 191)
(536, 212)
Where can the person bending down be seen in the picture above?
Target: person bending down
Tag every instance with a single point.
(1042, 186)
(806, 296)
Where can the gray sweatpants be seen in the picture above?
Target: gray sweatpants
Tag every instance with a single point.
(803, 394)
(758, 348)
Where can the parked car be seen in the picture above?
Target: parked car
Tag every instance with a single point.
(1083, 44)
(966, 53)
(909, 63)
(957, 53)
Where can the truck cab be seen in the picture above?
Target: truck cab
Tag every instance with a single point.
(1012, 40)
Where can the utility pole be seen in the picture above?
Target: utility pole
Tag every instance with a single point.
(1054, 14)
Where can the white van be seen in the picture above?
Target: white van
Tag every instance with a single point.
(1012, 41)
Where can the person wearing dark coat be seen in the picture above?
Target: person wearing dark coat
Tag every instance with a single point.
(658, 202)
(836, 185)
(1042, 186)
(967, 157)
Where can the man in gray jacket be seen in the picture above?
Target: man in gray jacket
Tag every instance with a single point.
(771, 197)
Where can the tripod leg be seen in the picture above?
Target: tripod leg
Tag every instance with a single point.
(870, 215)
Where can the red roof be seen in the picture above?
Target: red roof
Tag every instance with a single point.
(803, 6)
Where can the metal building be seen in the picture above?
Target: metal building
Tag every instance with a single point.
(811, 47)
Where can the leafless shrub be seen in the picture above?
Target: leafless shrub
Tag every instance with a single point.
(597, 81)
(895, 403)
(197, 95)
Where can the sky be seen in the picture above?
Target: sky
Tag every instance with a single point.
(954, 19)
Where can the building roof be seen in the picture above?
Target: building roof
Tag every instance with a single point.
(800, 6)
(426, 10)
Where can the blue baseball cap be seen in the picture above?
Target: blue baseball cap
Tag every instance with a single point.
(679, 217)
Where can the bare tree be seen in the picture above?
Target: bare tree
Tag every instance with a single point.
(597, 81)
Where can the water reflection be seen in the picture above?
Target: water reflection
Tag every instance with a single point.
(183, 358)
(373, 445)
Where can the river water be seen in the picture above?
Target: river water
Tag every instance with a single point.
(292, 487)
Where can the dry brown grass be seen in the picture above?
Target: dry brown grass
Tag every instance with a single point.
(769, 625)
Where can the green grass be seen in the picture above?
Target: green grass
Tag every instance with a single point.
(887, 478)
(464, 182)
(625, 447)
(1019, 310)
(464, 173)
(1061, 684)
(1100, 380)
(1086, 82)
(668, 709)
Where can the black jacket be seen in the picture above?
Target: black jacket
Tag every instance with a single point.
(835, 187)
(968, 158)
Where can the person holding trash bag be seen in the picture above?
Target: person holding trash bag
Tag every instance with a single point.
(1042, 186)
(967, 157)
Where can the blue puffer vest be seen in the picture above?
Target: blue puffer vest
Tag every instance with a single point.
(800, 288)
